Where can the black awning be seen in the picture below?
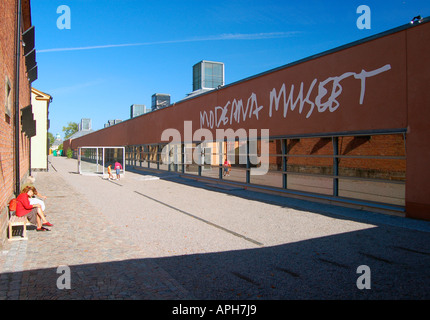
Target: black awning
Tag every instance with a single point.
(32, 74)
(27, 121)
(30, 59)
(28, 39)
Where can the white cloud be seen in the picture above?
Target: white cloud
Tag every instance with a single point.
(76, 87)
(229, 36)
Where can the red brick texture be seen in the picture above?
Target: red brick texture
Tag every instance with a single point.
(394, 99)
(7, 119)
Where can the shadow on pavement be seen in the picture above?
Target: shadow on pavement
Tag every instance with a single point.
(321, 268)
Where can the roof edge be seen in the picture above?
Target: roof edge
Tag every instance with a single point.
(321, 54)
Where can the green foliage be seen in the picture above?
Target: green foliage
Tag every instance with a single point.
(70, 129)
(51, 139)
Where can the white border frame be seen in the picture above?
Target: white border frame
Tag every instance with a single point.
(103, 157)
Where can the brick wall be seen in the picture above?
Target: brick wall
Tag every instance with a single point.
(7, 118)
(316, 148)
(398, 101)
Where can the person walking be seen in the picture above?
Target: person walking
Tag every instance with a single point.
(109, 168)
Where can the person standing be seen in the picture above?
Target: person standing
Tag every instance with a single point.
(118, 168)
(227, 167)
(110, 172)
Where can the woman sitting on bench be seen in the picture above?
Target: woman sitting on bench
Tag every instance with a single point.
(33, 212)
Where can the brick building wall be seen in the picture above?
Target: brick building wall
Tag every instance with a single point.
(396, 100)
(7, 106)
(392, 146)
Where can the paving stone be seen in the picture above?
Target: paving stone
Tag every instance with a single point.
(171, 238)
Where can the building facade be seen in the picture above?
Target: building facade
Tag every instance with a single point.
(111, 123)
(159, 101)
(39, 143)
(208, 75)
(17, 124)
(137, 110)
(85, 124)
(348, 126)
(84, 127)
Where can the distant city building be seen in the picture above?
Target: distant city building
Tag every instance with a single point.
(208, 75)
(160, 100)
(112, 122)
(85, 124)
(137, 110)
(56, 143)
(84, 127)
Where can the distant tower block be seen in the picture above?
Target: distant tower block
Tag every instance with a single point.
(160, 100)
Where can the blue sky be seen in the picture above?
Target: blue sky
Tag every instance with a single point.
(120, 52)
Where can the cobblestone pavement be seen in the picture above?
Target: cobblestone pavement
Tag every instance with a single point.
(103, 263)
(163, 237)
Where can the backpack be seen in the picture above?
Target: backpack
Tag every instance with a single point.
(12, 205)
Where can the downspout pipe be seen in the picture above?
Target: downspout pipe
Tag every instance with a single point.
(17, 112)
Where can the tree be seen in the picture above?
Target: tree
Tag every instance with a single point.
(71, 128)
(51, 139)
